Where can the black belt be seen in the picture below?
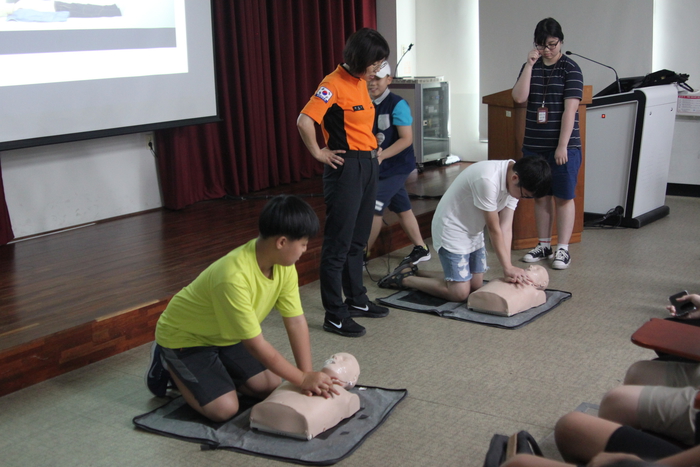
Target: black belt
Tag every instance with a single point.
(360, 154)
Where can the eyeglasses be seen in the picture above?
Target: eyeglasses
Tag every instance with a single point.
(522, 195)
(548, 46)
(376, 66)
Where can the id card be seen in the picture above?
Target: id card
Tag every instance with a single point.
(542, 115)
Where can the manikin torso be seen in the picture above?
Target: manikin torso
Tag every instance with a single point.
(499, 297)
(288, 412)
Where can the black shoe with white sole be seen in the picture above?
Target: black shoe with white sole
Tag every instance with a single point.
(369, 310)
(417, 255)
(345, 327)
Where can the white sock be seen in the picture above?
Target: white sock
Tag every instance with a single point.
(546, 242)
(563, 246)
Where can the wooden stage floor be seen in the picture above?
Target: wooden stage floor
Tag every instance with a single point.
(78, 296)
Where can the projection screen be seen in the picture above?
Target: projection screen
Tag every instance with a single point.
(77, 71)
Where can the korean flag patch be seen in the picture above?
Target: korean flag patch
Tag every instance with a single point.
(324, 94)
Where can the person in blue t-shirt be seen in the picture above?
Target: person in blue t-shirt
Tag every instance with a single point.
(392, 127)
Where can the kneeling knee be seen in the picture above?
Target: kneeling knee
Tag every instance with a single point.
(458, 294)
(459, 297)
(565, 426)
(221, 411)
(645, 372)
(222, 415)
(613, 403)
(262, 384)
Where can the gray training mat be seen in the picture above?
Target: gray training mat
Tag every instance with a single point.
(176, 419)
(414, 300)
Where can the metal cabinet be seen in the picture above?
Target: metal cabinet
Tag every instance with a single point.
(429, 99)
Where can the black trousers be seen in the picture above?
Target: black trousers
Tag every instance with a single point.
(350, 192)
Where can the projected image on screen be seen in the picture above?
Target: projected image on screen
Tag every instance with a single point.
(71, 71)
(43, 41)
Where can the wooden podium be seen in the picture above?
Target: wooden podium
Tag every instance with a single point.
(506, 129)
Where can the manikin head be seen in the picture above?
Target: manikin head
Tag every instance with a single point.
(538, 275)
(343, 366)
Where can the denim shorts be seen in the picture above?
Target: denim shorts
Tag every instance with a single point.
(461, 268)
(564, 177)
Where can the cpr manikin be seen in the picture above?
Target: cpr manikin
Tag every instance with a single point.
(288, 412)
(502, 298)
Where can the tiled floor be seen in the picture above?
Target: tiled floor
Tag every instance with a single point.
(465, 381)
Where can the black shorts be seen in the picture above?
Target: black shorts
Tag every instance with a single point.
(648, 447)
(211, 372)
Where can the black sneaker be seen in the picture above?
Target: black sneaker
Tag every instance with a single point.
(395, 279)
(157, 377)
(345, 327)
(562, 259)
(418, 254)
(369, 310)
(538, 253)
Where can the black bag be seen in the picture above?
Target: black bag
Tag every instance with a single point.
(504, 447)
(666, 77)
(496, 455)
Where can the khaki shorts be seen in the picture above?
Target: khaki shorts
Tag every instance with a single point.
(669, 410)
(680, 375)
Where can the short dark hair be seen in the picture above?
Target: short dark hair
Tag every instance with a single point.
(546, 28)
(289, 216)
(534, 174)
(363, 48)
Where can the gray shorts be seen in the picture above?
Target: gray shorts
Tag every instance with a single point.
(211, 372)
(668, 410)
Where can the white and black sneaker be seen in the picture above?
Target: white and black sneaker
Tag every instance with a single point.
(369, 310)
(562, 259)
(157, 377)
(345, 326)
(538, 253)
(417, 255)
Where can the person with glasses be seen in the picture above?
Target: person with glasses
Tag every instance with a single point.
(343, 108)
(484, 195)
(552, 85)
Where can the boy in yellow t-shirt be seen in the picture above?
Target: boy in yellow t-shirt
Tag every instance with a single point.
(208, 339)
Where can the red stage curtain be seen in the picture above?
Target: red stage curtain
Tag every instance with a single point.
(5, 225)
(270, 55)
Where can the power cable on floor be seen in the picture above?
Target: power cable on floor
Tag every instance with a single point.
(612, 219)
(387, 247)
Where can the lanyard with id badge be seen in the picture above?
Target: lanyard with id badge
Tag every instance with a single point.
(543, 111)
